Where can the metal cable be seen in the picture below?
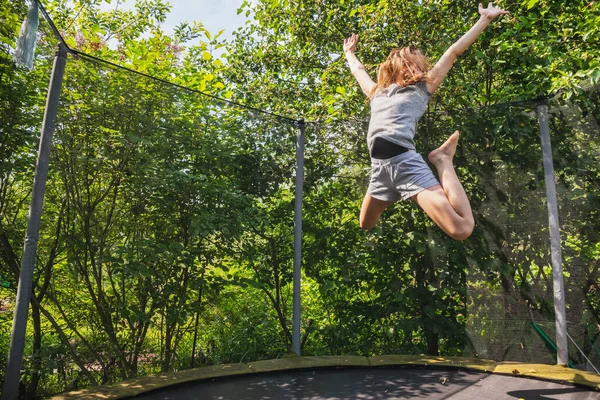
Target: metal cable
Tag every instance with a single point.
(89, 57)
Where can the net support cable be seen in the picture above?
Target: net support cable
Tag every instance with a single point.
(90, 57)
(582, 353)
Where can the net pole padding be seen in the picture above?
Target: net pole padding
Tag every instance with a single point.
(562, 354)
(24, 289)
(298, 236)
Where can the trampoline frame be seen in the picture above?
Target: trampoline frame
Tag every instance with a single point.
(134, 387)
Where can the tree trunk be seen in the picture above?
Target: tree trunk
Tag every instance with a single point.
(432, 342)
(36, 363)
(65, 341)
(168, 349)
(196, 328)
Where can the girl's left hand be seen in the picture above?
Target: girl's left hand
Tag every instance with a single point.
(350, 43)
(491, 12)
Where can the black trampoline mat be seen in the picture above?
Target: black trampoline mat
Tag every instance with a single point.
(376, 383)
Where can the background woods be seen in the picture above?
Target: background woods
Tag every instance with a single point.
(167, 233)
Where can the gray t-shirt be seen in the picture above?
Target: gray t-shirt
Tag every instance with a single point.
(395, 112)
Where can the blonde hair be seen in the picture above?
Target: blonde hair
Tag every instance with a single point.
(405, 66)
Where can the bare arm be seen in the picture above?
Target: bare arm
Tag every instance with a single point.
(441, 68)
(358, 70)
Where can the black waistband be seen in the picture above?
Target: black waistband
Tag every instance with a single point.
(383, 149)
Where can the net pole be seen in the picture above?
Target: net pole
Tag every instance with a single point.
(562, 356)
(24, 288)
(298, 236)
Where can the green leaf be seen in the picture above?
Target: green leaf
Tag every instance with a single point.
(595, 76)
(97, 29)
(532, 4)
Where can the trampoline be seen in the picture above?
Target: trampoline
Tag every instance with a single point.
(353, 377)
(379, 383)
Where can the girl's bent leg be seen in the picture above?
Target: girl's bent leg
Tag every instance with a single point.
(371, 210)
(447, 204)
(434, 202)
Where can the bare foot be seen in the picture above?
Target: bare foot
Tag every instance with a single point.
(445, 152)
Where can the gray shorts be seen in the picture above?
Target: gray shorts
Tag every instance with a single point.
(402, 176)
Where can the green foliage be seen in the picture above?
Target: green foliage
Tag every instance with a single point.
(167, 236)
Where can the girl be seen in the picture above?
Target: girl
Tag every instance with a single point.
(398, 100)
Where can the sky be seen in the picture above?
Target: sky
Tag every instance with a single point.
(214, 14)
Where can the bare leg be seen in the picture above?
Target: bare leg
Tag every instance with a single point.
(371, 210)
(442, 158)
(447, 204)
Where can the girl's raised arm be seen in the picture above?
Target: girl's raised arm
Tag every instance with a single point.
(441, 68)
(358, 70)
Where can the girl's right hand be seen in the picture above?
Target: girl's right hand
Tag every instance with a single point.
(350, 43)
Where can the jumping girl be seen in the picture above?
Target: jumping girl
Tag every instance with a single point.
(404, 86)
